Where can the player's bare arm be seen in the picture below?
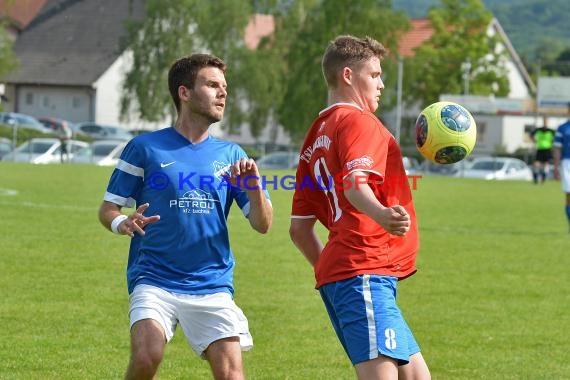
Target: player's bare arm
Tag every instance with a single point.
(556, 154)
(305, 238)
(260, 213)
(394, 219)
(136, 222)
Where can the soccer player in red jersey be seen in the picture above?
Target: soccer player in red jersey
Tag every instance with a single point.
(351, 179)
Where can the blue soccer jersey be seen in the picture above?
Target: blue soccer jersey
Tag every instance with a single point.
(562, 140)
(188, 250)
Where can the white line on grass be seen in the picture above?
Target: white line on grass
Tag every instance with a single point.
(8, 192)
(47, 205)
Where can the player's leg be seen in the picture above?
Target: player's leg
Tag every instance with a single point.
(567, 209)
(153, 322)
(416, 369)
(225, 359)
(535, 170)
(542, 172)
(369, 325)
(545, 170)
(147, 349)
(381, 368)
(217, 330)
(565, 179)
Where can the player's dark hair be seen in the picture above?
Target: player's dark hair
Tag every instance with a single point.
(349, 51)
(184, 71)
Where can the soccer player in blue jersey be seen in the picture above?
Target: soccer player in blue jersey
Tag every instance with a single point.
(562, 160)
(182, 182)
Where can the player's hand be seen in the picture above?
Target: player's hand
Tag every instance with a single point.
(244, 174)
(136, 222)
(395, 220)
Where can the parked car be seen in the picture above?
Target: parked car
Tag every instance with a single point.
(279, 160)
(102, 153)
(22, 121)
(497, 168)
(6, 147)
(102, 132)
(44, 150)
(431, 168)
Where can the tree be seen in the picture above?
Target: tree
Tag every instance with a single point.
(315, 24)
(171, 29)
(460, 40)
(280, 82)
(560, 65)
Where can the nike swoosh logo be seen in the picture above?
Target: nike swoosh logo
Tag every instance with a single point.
(162, 165)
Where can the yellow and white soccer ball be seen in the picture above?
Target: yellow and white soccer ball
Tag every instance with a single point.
(445, 132)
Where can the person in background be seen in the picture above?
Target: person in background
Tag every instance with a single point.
(180, 267)
(64, 134)
(562, 161)
(543, 137)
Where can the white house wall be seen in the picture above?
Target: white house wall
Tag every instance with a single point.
(70, 103)
(109, 88)
(518, 87)
(507, 133)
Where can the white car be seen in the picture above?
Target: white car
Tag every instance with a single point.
(102, 153)
(43, 151)
(279, 160)
(497, 168)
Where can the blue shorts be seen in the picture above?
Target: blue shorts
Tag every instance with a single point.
(367, 320)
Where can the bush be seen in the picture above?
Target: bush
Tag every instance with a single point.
(24, 134)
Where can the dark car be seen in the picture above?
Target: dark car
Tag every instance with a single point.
(101, 131)
(22, 121)
(279, 160)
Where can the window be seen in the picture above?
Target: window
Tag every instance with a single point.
(30, 98)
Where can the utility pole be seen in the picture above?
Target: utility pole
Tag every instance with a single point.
(466, 68)
(399, 99)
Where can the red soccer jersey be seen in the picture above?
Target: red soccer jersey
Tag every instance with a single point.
(344, 139)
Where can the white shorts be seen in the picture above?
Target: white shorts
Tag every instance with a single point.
(565, 175)
(203, 318)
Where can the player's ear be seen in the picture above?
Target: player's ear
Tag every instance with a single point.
(183, 93)
(346, 75)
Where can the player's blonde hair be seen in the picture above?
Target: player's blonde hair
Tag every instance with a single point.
(348, 51)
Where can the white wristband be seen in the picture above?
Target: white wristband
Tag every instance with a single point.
(115, 223)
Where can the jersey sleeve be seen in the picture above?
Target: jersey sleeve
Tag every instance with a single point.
(301, 206)
(127, 178)
(362, 146)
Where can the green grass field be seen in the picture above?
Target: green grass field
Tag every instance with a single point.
(491, 299)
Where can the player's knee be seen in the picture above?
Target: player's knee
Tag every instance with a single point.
(146, 361)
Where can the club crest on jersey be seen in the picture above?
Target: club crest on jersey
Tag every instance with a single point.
(362, 162)
(195, 201)
(220, 168)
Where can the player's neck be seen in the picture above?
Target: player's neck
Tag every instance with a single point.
(194, 132)
(335, 97)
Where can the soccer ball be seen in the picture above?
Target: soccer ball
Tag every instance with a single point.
(445, 132)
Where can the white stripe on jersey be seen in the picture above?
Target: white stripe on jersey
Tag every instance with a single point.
(131, 169)
(118, 200)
